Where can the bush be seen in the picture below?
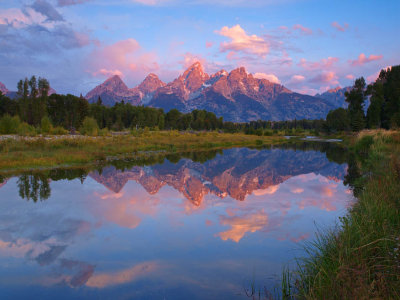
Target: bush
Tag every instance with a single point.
(25, 129)
(268, 132)
(9, 125)
(89, 127)
(104, 132)
(59, 131)
(45, 125)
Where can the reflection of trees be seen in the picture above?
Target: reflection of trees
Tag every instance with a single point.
(34, 187)
(353, 177)
(37, 186)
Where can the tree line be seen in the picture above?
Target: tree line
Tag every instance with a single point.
(384, 108)
(34, 108)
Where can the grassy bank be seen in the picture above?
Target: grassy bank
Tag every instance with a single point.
(39, 152)
(360, 259)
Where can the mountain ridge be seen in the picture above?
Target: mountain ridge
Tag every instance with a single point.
(236, 96)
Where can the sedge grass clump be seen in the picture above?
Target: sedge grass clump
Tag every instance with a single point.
(360, 259)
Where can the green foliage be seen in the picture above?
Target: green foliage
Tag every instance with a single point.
(9, 125)
(338, 120)
(59, 131)
(24, 129)
(356, 98)
(384, 110)
(89, 127)
(45, 125)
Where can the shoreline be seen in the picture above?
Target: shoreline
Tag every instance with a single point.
(45, 152)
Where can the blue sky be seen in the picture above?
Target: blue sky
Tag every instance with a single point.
(308, 46)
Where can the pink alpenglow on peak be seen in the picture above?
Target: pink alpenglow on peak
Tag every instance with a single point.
(236, 96)
(3, 89)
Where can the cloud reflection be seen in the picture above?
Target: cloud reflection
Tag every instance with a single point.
(105, 279)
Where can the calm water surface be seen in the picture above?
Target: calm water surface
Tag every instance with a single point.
(181, 229)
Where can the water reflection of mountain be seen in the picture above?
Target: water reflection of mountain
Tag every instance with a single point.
(237, 173)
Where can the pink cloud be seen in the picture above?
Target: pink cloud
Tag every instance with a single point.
(326, 77)
(270, 77)
(190, 58)
(350, 76)
(340, 27)
(241, 41)
(323, 64)
(209, 44)
(302, 29)
(363, 59)
(297, 79)
(125, 57)
(108, 73)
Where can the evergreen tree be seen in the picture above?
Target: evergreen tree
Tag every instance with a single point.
(356, 99)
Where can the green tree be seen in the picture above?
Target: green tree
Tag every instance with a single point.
(356, 98)
(89, 127)
(45, 125)
(338, 120)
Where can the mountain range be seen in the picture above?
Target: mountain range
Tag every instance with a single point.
(236, 96)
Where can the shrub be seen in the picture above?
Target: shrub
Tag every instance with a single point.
(45, 125)
(9, 125)
(89, 127)
(59, 131)
(268, 132)
(26, 130)
(104, 132)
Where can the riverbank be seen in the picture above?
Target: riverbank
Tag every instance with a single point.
(29, 153)
(360, 259)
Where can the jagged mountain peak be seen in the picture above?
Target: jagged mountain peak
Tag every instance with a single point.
(150, 84)
(114, 80)
(334, 90)
(220, 73)
(195, 69)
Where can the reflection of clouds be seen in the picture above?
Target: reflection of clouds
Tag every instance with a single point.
(50, 255)
(242, 224)
(108, 279)
(300, 238)
(282, 203)
(297, 190)
(73, 273)
(124, 208)
(268, 191)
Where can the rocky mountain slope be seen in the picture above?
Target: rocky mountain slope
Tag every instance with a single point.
(335, 96)
(237, 96)
(115, 90)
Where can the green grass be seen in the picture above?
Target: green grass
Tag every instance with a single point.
(360, 258)
(39, 152)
